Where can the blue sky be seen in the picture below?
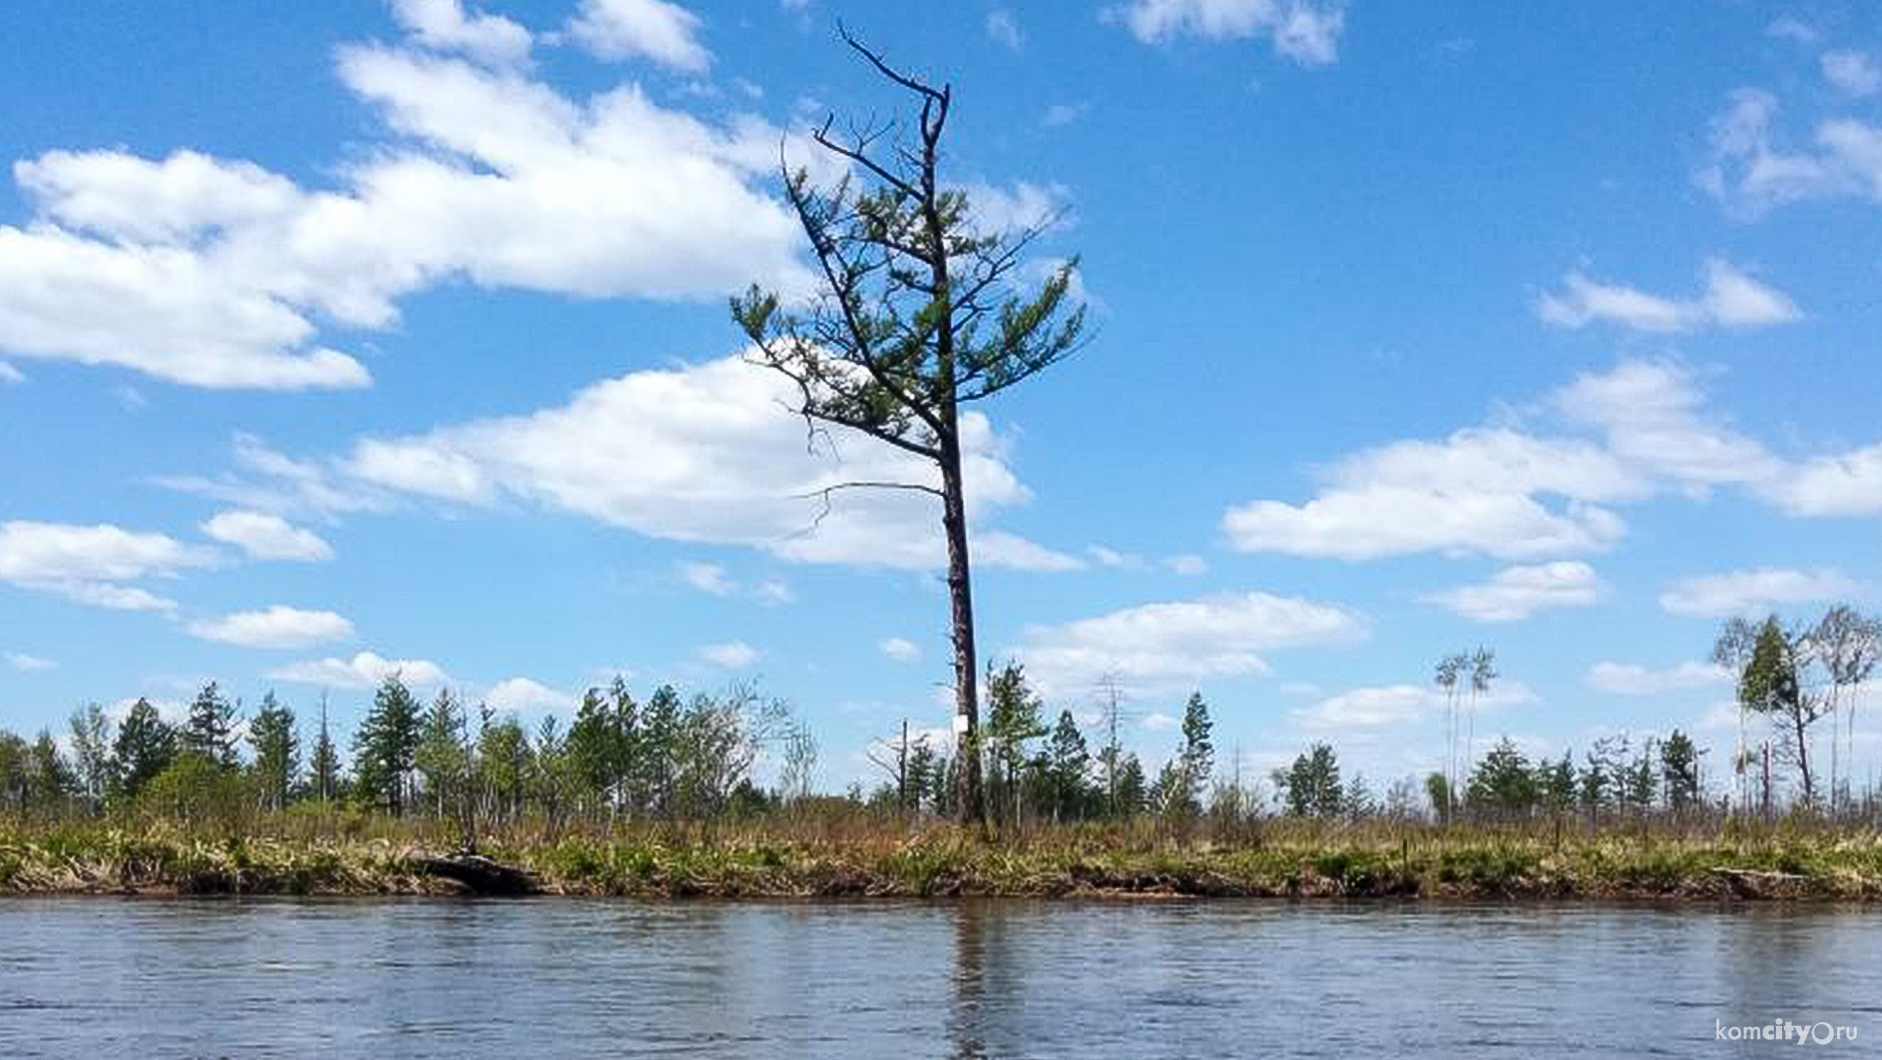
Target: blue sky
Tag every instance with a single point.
(347, 337)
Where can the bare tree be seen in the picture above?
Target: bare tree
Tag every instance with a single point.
(1848, 644)
(918, 313)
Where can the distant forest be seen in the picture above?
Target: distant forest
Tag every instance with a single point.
(692, 758)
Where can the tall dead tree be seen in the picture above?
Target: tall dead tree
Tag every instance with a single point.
(919, 312)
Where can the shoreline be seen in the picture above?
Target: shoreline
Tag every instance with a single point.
(1597, 869)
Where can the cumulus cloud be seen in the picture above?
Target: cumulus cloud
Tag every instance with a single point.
(706, 453)
(212, 272)
(1165, 647)
(27, 664)
(522, 693)
(1852, 73)
(1629, 679)
(1637, 431)
(1732, 299)
(364, 670)
(1751, 593)
(267, 537)
(1843, 484)
(1518, 592)
(1306, 31)
(1394, 705)
(444, 25)
(708, 578)
(1753, 169)
(641, 29)
(274, 627)
(731, 655)
(91, 564)
(900, 649)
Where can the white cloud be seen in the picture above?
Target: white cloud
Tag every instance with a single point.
(1845, 484)
(652, 29)
(521, 693)
(773, 592)
(1186, 566)
(267, 537)
(707, 453)
(1059, 115)
(1307, 31)
(1505, 492)
(1786, 27)
(732, 655)
(1752, 171)
(1392, 705)
(272, 482)
(1628, 679)
(1157, 721)
(363, 670)
(10, 374)
(1732, 299)
(1110, 557)
(1852, 73)
(89, 564)
(1518, 592)
(1753, 592)
(274, 627)
(1021, 206)
(445, 26)
(1172, 646)
(211, 272)
(1004, 29)
(900, 649)
(1652, 417)
(29, 663)
(159, 310)
(708, 578)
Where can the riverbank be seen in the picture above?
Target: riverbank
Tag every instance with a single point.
(940, 862)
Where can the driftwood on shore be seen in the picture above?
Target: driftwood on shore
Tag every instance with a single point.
(481, 876)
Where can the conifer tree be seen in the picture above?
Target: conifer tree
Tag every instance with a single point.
(210, 731)
(385, 746)
(921, 313)
(277, 748)
(145, 746)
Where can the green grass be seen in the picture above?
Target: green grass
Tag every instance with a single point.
(301, 855)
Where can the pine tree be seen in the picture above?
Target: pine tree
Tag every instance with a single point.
(442, 757)
(1679, 771)
(1133, 788)
(210, 731)
(1311, 786)
(277, 748)
(385, 746)
(1013, 718)
(1068, 767)
(145, 746)
(1501, 782)
(1198, 757)
(323, 766)
(662, 737)
(922, 313)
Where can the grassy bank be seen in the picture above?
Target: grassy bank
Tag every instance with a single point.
(783, 859)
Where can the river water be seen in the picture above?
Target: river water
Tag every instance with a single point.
(155, 979)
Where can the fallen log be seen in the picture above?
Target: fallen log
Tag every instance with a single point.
(481, 876)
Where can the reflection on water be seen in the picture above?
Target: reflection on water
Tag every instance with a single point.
(539, 979)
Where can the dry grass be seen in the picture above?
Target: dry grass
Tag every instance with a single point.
(855, 855)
